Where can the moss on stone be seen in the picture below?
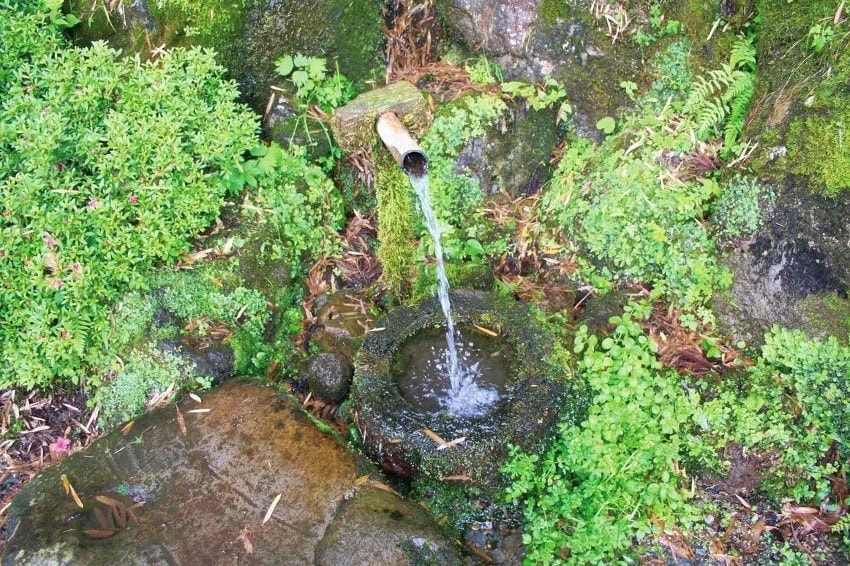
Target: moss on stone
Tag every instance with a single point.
(550, 11)
(395, 223)
(209, 23)
(249, 35)
(348, 31)
(450, 503)
(827, 315)
(804, 95)
(819, 143)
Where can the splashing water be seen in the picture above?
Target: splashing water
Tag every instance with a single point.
(464, 388)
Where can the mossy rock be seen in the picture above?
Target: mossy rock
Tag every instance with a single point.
(513, 157)
(206, 476)
(477, 276)
(249, 35)
(803, 99)
(783, 274)
(388, 530)
(393, 431)
(533, 39)
(348, 31)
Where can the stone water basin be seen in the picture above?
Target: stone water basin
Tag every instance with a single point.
(397, 391)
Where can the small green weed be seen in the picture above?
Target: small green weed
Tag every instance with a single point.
(482, 71)
(658, 27)
(596, 489)
(298, 201)
(315, 86)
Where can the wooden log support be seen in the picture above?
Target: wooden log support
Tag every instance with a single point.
(353, 125)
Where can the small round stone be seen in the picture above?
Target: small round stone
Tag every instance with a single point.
(329, 376)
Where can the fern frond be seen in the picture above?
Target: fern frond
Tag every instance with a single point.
(743, 54)
(722, 97)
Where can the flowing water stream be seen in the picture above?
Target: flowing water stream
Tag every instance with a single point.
(466, 397)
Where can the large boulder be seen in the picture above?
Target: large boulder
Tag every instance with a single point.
(795, 272)
(576, 44)
(199, 485)
(533, 39)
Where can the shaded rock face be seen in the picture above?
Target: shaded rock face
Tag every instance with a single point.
(534, 39)
(802, 256)
(501, 28)
(349, 30)
(329, 376)
(202, 490)
(513, 157)
(216, 361)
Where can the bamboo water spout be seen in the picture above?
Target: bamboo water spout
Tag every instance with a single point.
(401, 144)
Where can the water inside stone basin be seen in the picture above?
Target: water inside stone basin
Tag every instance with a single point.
(421, 369)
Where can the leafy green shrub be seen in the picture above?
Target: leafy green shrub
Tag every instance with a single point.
(107, 166)
(791, 403)
(29, 30)
(596, 488)
(819, 373)
(146, 373)
(298, 202)
(739, 211)
(194, 297)
(620, 212)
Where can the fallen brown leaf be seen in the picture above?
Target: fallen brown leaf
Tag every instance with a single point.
(99, 533)
(433, 436)
(452, 443)
(361, 480)
(272, 507)
(246, 542)
(460, 477)
(69, 490)
(486, 331)
(180, 422)
(383, 487)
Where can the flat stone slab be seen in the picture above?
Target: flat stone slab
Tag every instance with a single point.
(205, 491)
